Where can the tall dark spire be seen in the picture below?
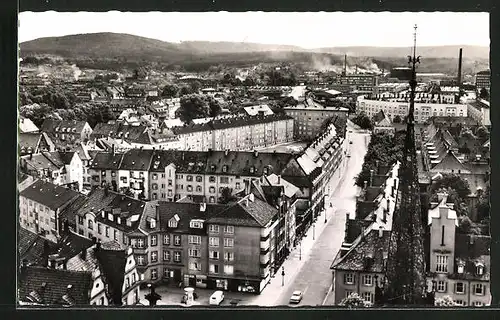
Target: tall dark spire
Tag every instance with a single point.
(405, 272)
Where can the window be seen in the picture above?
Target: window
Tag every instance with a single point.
(479, 269)
(224, 180)
(155, 176)
(228, 269)
(459, 287)
(140, 260)
(211, 199)
(214, 255)
(115, 235)
(194, 253)
(214, 268)
(189, 178)
(99, 228)
(189, 188)
(196, 266)
(228, 256)
(80, 219)
(228, 243)
(166, 255)
(154, 256)
(198, 189)
(90, 224)
(479, 289)
(154, 274)
(166, 239)
(213, 241)
(154, 240)
(441, 286)
(107, 231)
(211, 179)
(441, 263)
(177, 256)
(477, 304)
(177, 240)
(237, 185)
(367, 280)
(194, 240)
(211, 189)
(229, 229)
(140, 243)
(368, 296)
(154, 186)
(172, 223)
(348, 278)
(199, 178)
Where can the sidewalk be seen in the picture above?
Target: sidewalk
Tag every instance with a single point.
(292, 265)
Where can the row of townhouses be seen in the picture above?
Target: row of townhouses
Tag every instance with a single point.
(235, 246)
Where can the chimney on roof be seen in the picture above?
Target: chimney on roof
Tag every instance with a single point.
(83, 254)
(31, 156)
(365, 184)
(380, 232)
(256, 153)
(279, 179)
(371, 178)
(113, 149)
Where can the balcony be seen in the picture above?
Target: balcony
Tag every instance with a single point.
(264, 259)
(264, 245)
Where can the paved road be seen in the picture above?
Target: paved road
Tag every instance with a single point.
(315, 277)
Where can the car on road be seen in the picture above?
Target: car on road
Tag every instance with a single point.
(350, 142)
(296, 297)
(216, 298)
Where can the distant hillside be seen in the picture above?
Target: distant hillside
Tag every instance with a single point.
(470, 52)
(111, 50)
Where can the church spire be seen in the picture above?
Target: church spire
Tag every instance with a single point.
(405, 274)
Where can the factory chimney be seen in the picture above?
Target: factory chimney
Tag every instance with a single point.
(345, 65)
(459, 78)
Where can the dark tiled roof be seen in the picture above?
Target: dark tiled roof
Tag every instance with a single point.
(185, 212)
(99, 201)
(257, 213)
(56, 283)
(230, 122)
(137, 160)
(50, 125)
(354, 228)
(106, 160)
(49, 194)
(118, 130)
(367, 255)
(473, 249)
(31, 246)
(72, 244)
(240, 163)
(69, 212)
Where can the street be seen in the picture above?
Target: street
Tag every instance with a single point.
(315, 277)
(308, 266)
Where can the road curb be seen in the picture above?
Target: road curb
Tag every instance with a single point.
(327, 294)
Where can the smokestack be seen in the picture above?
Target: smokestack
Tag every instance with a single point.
(459, 77)
(344, 72)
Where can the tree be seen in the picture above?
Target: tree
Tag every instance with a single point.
(453, 182)
(397, 119)
(214, 105)
(445, 301)
(170, 91)
(483, 133)
(483, 206)
(185, 90)
(484, 94)
(466, 226)
(354, 300)
(226, 195)
(363, 121)
(193, 106)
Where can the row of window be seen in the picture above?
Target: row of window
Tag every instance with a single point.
(166, 257)
(166, 240)
(214, 242)
(213, 228)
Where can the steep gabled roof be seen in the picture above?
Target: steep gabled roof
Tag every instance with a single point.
(256, 213)
(31, 246)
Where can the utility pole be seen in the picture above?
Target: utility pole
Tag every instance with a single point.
(406, 259)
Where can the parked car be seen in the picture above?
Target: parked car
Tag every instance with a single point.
(216, 298)
(296, 297)
(350, 142)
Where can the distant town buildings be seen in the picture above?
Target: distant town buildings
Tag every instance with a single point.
(483, 80)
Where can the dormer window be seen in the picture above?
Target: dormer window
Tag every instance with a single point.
(172, 223)
(224, 168)
(110, 217)
(460, 268)
(252, 169)
(479, 269)
(196, 224)
(152, 223)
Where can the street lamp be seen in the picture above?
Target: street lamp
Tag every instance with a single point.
(313, 230)
(300, 250)
(283, 276)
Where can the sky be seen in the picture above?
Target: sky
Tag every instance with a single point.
(304, 29)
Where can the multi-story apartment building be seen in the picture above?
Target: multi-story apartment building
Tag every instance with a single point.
(41, 207)
(397, 105)
(310, 116)
(363, 83)
(60, 168)
(483, 80)
(479, 111)
(236, 132)
(458, 264)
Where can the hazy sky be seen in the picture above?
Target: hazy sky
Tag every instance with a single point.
(305, 29)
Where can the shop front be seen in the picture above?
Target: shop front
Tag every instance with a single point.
(195, 281)
(234, 285)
